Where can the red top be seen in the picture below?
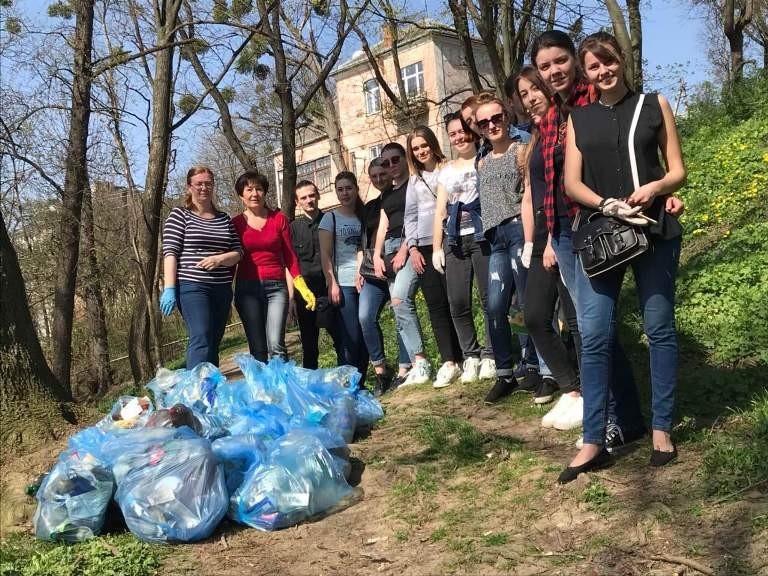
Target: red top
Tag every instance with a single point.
(267, 252)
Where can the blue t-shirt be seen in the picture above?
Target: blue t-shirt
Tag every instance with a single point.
(347, 245)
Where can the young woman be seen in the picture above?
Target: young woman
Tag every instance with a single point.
(467, 252)
(544, 286)
(425, 160)
(200, 250)
(261, 291)
(402, 277)
(340, 256)
(612, 166)
(500, 175)
(374, 293)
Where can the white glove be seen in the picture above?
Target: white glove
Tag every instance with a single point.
(525, 256)
(438, 260)
(623, 211)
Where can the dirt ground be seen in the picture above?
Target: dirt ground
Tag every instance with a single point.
(416, 512)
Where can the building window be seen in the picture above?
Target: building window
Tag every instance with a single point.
(372, 97)
(413, 78)
(374, 152)
(317, 171)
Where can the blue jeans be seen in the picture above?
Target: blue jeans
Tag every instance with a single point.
(402, 290)
(374, 295)
(628, 414)
(506, 274)
(205, 309)
(263, 308)
(654, 273)
(348, 331)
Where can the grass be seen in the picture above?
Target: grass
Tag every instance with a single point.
(113, 555)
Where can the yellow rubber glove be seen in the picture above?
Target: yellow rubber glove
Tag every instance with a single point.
(305, 292)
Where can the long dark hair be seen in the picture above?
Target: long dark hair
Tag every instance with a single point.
(552, 39)
(531, 73)
(359, 206)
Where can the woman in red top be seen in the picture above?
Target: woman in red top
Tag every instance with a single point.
(261, 290)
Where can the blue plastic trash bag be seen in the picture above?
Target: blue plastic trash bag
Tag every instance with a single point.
(208, 426)
(72, 500)
(298, 479)
(234, 397)
(125, 452)
(194, 388)
(273, 384)
(264, 420)
(367, 408)
(238, 454)
(334, 443)
(127, 412)
(341, 416)
(178, 494)
(329, 379)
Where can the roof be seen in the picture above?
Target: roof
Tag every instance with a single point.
(408, 36)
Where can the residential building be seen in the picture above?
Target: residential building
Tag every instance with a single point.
(435, 76)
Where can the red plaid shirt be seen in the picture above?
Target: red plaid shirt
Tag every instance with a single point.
(552, 130)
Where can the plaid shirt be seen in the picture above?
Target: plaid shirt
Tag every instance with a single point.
(553, 130)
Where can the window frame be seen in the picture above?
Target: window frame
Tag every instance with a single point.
(369, 94)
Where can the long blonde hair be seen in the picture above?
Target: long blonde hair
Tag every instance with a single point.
(194, 171)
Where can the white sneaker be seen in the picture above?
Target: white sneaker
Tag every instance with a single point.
(419, 374)
(549, 419)
(471, 370)
(447, 375)
(487, 369)
(572, 416)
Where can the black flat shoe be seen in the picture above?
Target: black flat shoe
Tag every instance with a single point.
(602, 460)
(659, 458)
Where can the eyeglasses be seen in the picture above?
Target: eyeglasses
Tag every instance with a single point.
(394, 161)
(202, 185)
(496, 120)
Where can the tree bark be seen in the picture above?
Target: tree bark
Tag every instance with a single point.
(75, 182)
(99, 373)
(461, 25)
(34, 406)
(144, 337)
(636, 33)
(621, 33)
(733, 27)
(484, 18)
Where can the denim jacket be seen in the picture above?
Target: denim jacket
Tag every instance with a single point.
(453, 223)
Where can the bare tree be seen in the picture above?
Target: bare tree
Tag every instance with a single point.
(629, 33)
(757, 30)
(737, 14)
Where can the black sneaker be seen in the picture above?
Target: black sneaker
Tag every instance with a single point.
(616, 438)
(545, 393)
(531, 382)
(397, 380)
(503, 387)
(383, 383)
(520, 371)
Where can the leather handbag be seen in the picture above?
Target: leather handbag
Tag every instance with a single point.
(604, 242)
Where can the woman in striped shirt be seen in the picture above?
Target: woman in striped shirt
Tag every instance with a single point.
(200, 250)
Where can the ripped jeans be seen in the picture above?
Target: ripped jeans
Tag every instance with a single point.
(505, 274)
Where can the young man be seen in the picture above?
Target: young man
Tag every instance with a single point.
(307, 246)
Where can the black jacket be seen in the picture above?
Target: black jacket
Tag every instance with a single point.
(307, 246)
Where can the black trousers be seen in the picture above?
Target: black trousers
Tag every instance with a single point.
(307, 319)
(434, 288)
(541, 296)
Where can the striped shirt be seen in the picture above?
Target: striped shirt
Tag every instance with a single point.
(191, 238)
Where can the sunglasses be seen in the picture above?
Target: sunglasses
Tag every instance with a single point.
(394, 161)
(496, 120)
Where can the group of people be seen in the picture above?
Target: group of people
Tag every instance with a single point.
(508, 211)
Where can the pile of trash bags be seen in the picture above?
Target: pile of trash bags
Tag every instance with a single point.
(268, 451)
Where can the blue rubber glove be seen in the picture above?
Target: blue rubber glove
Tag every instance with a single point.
(168, 300)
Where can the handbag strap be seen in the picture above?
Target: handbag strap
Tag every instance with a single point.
(427, 185)
(631, 143)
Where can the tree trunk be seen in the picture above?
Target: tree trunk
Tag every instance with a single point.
(733, 27)
(461, 24)
(636, 33)
(621, 33)
(486, 26)
(75, 181)
(34, 406)
(144, 336)
(99, 377)
(332, 127)
(552, 14)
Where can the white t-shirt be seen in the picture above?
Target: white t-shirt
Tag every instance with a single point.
(460, 183)
(347, 245)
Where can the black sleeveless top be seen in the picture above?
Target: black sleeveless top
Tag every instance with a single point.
(393, 204)
(602, 138)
